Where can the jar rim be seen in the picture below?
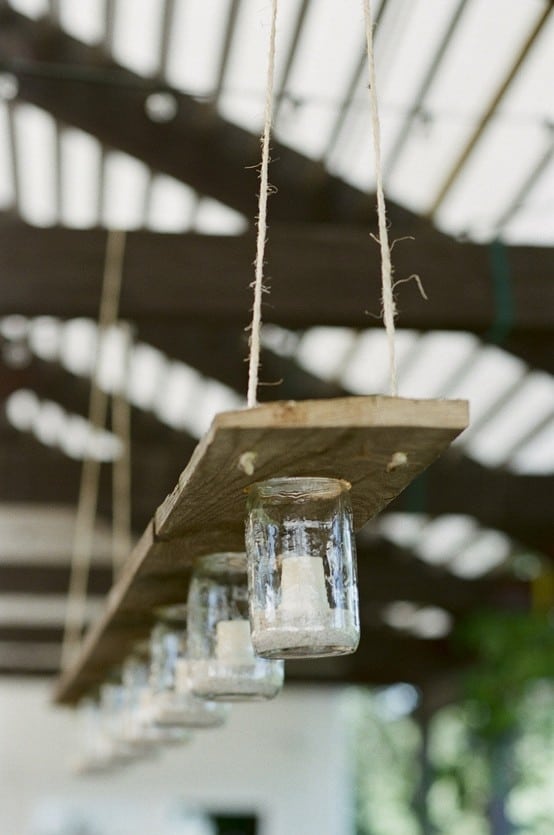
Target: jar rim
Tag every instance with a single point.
(222, 562)
(317, 487)
(172, 614)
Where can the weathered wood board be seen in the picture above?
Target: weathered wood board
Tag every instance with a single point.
(378, 444)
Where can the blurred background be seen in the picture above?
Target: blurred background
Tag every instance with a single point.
(144, 115)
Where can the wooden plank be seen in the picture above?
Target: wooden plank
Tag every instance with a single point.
(352, 438)
(519, 505)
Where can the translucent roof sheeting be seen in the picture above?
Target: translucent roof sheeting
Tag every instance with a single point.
(511, 406)
(440, 63)
(177, 394)
(457, 544)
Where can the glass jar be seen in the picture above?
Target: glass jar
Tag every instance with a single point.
(128, 725)
(138, 729)
(113, 708)
(223, 664)
(302, 568)
(171, 702)
(95, 749)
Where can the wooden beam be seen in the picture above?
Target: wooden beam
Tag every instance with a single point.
(384, 657)
(42, 578)
(320, 275)
(385, 574)
(31, 472)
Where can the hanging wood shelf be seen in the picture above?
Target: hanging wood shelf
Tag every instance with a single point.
(378, 444)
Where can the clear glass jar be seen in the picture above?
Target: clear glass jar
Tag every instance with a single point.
(302, 568)
(113, 707)
(95, 749)
(171, 702)
(136, 730)
(223, 664)
(128, 725)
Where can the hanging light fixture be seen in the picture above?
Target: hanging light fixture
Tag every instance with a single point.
(302, 568)
(113, 703)
(223, 664)
(138, 729)
(171, 701)
(95, 749)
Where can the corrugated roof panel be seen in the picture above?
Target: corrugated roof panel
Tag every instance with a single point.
(81, 159)
(31, 8)
(171, 206)
(435, 359)
(453, 542)
(533, 401)
(489, 36)
(243, 95)
(488, 551)
(537, 455)
(491, 178)
(35, 132)
(195, 43)
(444, 537)
(366, 369)
(534, 222)
(125, 191)
(214, 218)
(328, 51)
(136, 35)
(83, 20)
(7, 185)
(492, 375)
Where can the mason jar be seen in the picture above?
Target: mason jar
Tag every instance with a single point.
(223, 664)
(302, 568)
(171, 702)
(95, 748)
(113, 704)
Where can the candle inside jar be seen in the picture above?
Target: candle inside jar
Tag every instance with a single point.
(303, 590)
(233, 642)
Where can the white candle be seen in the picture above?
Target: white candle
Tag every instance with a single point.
(303, 588)
(233, 643)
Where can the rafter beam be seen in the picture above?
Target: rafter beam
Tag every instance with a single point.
(320, 275)
(382, 658)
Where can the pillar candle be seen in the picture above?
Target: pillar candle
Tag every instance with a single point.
(303, 587)
(233, 644)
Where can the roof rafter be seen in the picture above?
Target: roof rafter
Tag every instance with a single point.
(320, 275)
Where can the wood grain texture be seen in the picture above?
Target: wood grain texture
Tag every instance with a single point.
(353, 438)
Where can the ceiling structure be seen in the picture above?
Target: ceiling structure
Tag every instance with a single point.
(145, 116)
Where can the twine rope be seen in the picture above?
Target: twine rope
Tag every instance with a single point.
(90, 471)
(387, 287)
(121, 469)
(255, 326)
